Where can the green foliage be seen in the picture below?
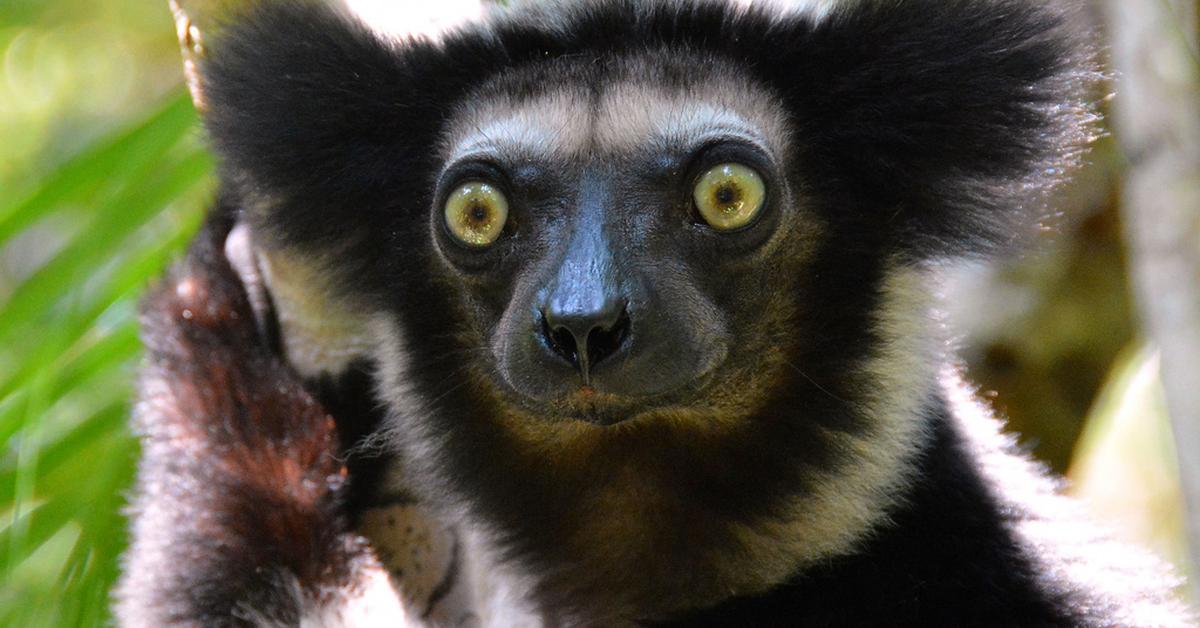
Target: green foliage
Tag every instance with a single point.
(105, 223)
(102, 181)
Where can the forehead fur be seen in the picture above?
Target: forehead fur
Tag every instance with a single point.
(647, 102)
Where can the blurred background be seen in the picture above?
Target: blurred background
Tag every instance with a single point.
(1090, 344)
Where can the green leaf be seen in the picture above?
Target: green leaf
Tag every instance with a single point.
(135, 268)
(68, 348)
(137, 203)
(109, 163)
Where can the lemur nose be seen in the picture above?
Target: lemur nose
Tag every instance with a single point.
(585, 337)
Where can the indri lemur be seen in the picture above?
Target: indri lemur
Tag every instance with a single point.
(609, 313)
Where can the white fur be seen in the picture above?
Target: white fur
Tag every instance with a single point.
(368, 600)
(320, 330)
(400, 20)
(1112, 581)
(642, 115)
(632, 116)
(372, 601)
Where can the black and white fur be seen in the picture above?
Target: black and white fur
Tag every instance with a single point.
(323, 362)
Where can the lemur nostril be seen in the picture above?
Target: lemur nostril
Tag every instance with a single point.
(603, 342)
(561, 341)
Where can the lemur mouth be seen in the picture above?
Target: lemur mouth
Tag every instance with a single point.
(593, 406)
(586, 404)
(599, 402)
(597, 407)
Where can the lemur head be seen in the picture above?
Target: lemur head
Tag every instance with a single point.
(642, 282)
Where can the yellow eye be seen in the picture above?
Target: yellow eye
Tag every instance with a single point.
(476, 213)
(729, 196)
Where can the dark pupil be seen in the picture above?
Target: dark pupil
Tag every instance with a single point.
(726, 194)
(478, 213)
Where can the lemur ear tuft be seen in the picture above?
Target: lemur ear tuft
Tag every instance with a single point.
(195, 21)
(953, 119)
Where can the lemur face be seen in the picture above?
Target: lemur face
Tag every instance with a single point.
(622, 233)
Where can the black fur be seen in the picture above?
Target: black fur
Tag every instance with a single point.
(921, 129)
(938, 117)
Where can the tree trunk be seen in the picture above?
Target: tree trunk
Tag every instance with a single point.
(1157, 123)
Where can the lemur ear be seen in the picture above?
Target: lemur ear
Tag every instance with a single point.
(195, 21)
(953, 118)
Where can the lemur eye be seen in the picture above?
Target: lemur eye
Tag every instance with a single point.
(729, 196)
(476, 213)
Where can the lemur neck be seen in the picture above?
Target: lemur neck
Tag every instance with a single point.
(945, 542)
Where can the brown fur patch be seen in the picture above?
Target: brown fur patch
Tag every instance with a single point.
(240, 487)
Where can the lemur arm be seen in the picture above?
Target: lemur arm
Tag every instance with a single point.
(238, 516)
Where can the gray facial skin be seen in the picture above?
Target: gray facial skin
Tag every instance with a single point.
(607, 291)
